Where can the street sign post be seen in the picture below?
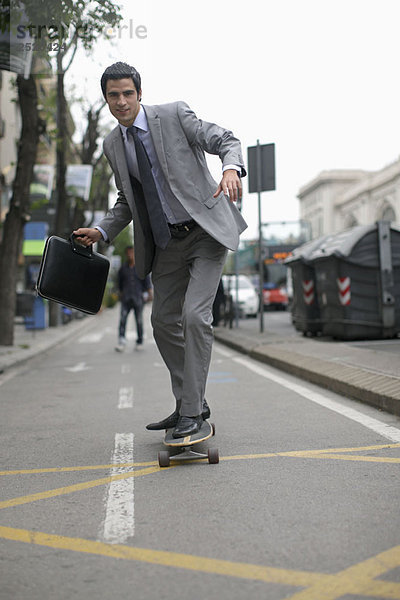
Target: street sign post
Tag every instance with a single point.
(261, 165)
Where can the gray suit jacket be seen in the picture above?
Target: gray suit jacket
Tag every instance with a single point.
(180, 140)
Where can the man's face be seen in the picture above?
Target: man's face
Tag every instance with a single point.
(130, 255)
(122, 100)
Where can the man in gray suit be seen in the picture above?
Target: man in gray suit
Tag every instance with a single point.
(184, 222)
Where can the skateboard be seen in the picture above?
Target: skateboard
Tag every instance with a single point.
(184, 446)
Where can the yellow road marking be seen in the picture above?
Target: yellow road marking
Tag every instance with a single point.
(359, 579)
(359, 448)
(381, 459)
(82, 468)
(75, 488)
(347, 586)
(169, 559)
(313, 455)
(152, 467)
(322, 453)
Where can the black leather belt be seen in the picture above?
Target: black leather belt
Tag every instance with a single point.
(183, 227)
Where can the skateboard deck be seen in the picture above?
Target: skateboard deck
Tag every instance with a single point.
(205, 432)
(183, 445)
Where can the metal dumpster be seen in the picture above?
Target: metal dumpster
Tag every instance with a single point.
(306, 316)
(357, 275)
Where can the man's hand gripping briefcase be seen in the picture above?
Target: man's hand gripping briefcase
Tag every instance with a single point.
(72, 274)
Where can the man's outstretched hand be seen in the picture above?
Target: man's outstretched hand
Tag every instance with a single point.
(88, 235)
(230, 185)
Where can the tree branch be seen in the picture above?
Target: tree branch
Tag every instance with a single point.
(75, 41)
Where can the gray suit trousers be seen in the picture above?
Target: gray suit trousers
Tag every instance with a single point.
(185, 278)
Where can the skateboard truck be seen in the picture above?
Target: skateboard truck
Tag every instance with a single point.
(184, 446)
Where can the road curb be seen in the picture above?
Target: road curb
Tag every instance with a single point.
(378, 390)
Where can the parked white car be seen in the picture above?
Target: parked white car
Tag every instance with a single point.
(247, 296)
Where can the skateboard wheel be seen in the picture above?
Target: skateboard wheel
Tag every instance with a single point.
(213, 428)
(163, 459)
(213, 456)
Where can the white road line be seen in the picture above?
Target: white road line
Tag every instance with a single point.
(125, 397)
(387, 431)
(119, 522)
(77, 368)
(226, 353)
(91, 338)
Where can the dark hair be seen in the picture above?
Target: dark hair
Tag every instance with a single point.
(128, 248)
(120, 70)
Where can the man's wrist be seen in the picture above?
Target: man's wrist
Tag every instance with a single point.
(232, 168)
(102, 233)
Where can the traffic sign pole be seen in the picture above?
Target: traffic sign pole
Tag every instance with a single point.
(261, 163)
(260, 257)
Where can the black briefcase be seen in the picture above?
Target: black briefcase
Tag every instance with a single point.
(72, 274)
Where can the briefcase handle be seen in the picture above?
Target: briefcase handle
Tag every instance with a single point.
(86, 251)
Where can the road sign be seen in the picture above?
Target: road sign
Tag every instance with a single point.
(261, 158)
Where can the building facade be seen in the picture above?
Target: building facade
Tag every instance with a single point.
(338, 199)
(10, 126)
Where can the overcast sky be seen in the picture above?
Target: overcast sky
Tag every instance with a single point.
(319, 78)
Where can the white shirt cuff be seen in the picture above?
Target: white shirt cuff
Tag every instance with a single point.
(103, 233)
(226, 167)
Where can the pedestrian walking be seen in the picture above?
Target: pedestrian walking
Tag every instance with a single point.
(184, 223)
(133, 291)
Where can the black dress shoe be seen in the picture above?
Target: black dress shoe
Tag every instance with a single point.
(206, 412)
(172, 420)
(167, 423)
(187, 426)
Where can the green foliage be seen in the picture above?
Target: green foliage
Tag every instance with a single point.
(99, 190)
(110, 297)
(123, 240)
(65, 21)
(65, 13)
(4, 16)
(38, 203)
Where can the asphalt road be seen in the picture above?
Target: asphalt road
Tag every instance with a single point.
(303, 504)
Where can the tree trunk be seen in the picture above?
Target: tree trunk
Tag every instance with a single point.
(61, 218)
(18, 212)
(61, 223)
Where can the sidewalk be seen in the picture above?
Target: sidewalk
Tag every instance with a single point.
(30, 343)
(368, 371)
